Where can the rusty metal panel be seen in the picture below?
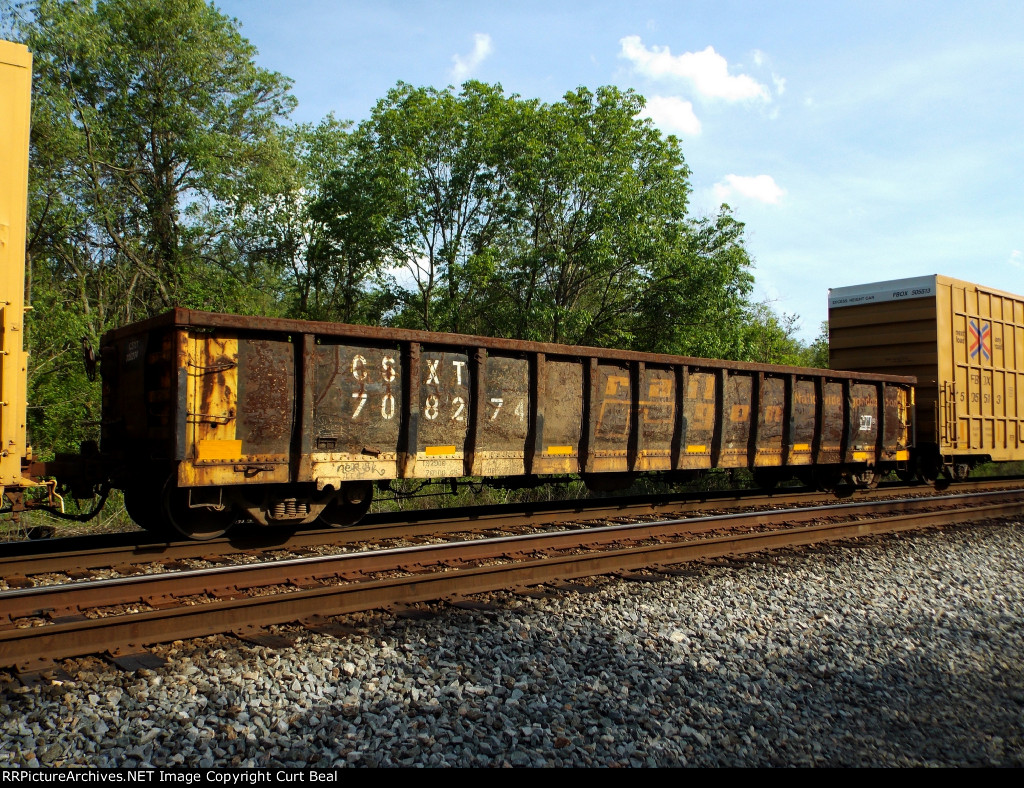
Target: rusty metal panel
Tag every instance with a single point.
(159, 383)
(804, 422)
(266, 396)
(130, 387)
(736, 421)
(832, 423)
(657, 409)
(699, 418)
(139, 403)
(864, 416)
(503, 424)
(896, 438)
(379, 403)
(610, 412)
(771, 411)
(240, 402)
(560, 433)
(357, 413)
(444, 413)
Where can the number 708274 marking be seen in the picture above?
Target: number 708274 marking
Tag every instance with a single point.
(432, 407)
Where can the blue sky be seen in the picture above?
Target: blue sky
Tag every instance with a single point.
(858, 141)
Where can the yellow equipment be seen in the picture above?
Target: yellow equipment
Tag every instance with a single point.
(15, 90)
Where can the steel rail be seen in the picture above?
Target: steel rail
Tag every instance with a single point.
(32, 648)
(138, 547)
(72, 598)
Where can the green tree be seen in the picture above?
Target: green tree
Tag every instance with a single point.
(148, 115)
(432, 162)
(601, 197)
(695, 299)
(511, 217)
(770, 338)
(816, 353)
(321, 231)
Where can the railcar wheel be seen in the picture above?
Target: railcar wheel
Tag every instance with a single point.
(143, 505)
(826, 478)
(197, 523)
(906, 475)
(349, 506)
(959, 472)
(867, 479)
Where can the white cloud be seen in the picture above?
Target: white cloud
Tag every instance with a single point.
(762, 188)
(672, 115)
(464, 66)
(1017, 258)
(707, 70)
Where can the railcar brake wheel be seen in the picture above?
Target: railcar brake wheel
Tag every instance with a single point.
(197, 523)
(349, 506)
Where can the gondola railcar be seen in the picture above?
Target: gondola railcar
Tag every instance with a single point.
(287, 421)
(209, 419)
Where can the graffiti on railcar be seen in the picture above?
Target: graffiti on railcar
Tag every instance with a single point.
(698, 427)
(804, 421)
(657, 415)
(864, 415)
(613, 407)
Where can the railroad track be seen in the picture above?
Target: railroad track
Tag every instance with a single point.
(26, 563)
(122, 617)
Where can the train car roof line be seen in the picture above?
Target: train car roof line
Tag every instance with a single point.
(189, 318)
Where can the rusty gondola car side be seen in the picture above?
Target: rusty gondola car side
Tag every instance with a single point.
(287, 421)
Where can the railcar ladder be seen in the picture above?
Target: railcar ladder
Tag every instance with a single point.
(948, 433)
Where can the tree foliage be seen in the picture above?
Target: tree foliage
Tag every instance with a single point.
(147, 116)
(426, 197)
(602, 201)
(164, 173)
(567, 222)
(146, 113)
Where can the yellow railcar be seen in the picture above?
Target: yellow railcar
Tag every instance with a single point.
(965, 345)
(15, 90)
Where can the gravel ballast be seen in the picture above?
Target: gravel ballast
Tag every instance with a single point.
(902, 651)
